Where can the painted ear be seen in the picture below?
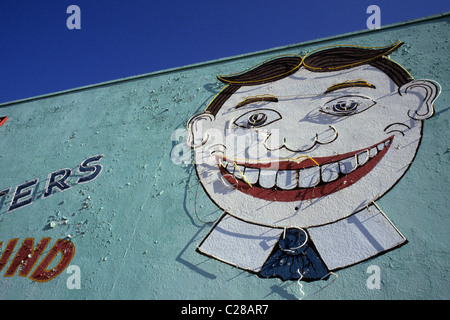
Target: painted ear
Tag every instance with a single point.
(421, 95)
(197, 127)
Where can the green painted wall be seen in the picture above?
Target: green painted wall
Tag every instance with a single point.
(135, 227)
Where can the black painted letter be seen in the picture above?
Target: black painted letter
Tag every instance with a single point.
(85, 167)
(60, 184)
(20, 193)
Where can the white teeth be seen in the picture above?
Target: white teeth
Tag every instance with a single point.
(363, 157)
(347, 165)
(303, 178)
(267, 178)
(228, 166)
(330, 172)
(309, 177)
(287, 179)
(239, 172)
(251, 174)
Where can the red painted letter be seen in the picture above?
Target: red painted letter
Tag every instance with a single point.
(26, 256)
(7, 253)
(67, 249)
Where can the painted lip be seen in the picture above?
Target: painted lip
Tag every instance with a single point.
(302, 178)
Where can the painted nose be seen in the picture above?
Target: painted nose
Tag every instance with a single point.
(297, 143)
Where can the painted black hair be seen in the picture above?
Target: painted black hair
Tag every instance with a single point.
(323, 60)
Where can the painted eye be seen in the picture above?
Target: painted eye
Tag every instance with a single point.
(348, 105)
(345, 106)
(257, 118)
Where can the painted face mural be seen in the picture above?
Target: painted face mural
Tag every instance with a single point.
(297, 150)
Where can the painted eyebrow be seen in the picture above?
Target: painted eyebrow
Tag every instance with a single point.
(265, 97)
(348, 84)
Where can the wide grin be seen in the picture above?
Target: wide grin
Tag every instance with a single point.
(301, 180)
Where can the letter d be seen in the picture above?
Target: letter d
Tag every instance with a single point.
(67, 250)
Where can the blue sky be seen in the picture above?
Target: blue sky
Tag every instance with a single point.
(118, 38)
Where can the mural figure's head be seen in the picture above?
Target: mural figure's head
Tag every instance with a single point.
(304, 141)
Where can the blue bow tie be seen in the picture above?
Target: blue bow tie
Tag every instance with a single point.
(294, 257)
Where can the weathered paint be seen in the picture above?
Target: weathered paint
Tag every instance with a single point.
(135, 227)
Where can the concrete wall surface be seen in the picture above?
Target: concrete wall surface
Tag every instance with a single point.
(133, 228)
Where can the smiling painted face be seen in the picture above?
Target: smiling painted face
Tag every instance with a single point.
(310, 148)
